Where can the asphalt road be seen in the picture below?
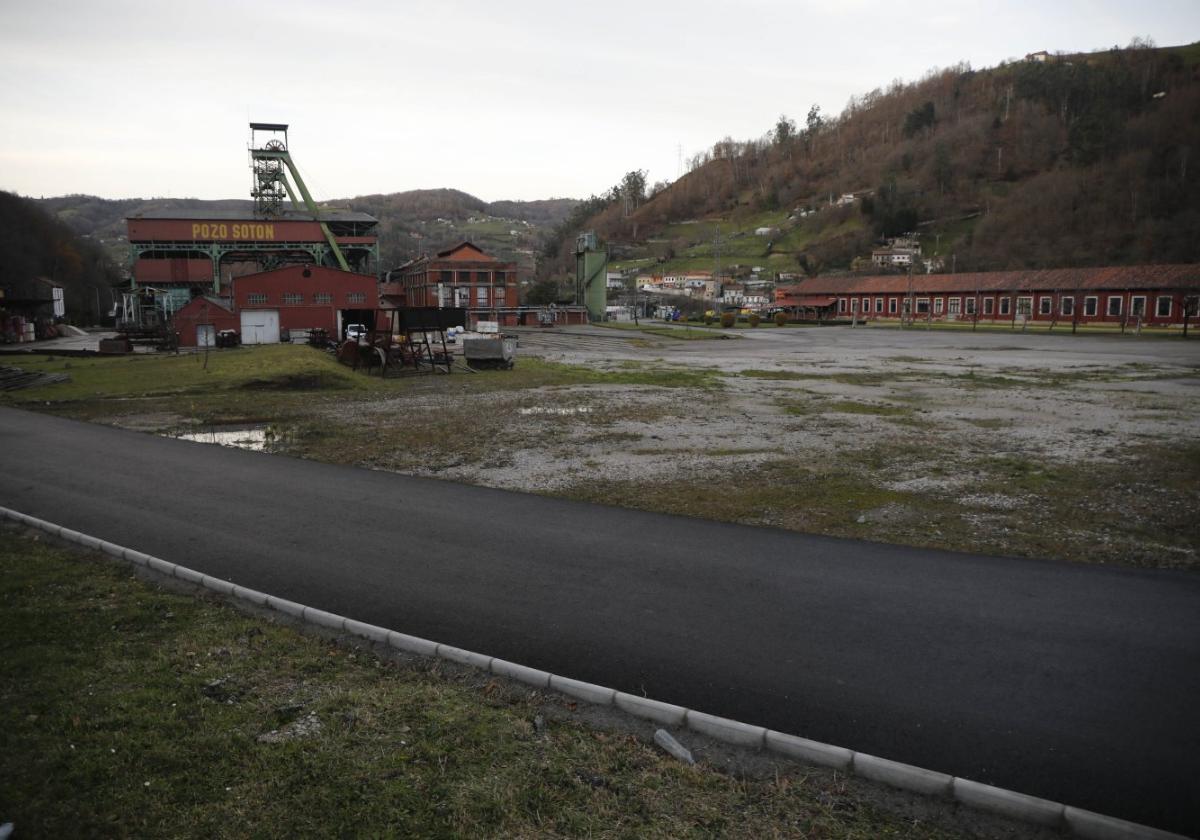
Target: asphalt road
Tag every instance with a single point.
(1076, 683)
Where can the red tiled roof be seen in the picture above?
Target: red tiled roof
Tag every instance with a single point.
(806, 300)
(1148, 277)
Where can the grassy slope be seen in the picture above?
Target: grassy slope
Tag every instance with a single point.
(132, 712)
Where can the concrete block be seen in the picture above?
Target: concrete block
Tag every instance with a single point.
(137, 557)
(530, 676)
(189, 575)
(224, 587)
(810, 752)
(43, 525)
(665, 740)
(367, 631)
(464, 657)
(412, 644)
(667, 714)
(89, 542)
(724, 729)
(69, 535)
(585, 691)
(1008, 803)
(903, 776)
(161, 566)
(1093, 826)
(285, 606)
(324, 619)
(251, 595)
(112, 549)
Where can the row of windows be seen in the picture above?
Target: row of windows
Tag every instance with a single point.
(461, 297)
(465, 276)
(1114, 305)
(296, 299)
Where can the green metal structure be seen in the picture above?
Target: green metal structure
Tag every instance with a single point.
(591, 275)
(270, 162)
(280, 195)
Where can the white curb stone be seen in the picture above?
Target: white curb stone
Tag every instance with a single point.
(89, 542)
(112, 549)
(69, 535)
(665, 740)
(1092, 826)
(367, 631)
(251, 595)
(585, 691)
(531, 676)
(285, 606)
(1008, 803)
(465, 657)
(724, 729)
(412, 644)
(136, 557)
(160, 566)
(812, 752)
(325, 619)
(667, 714)
(189, 575)
(903, 776)
(216, 584)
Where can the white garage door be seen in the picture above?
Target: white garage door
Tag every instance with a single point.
(206, 335)
(260, 326)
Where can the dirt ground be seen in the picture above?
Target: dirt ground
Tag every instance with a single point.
(1045, 445)
(1082, 448)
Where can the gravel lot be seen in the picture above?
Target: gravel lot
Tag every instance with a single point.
(1082, 447)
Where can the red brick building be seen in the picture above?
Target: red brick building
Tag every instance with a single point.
(1153, 295)
(198, 323)
(297, 298)
(463, 277)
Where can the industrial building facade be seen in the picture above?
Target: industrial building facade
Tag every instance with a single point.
(179, 252)
(1157, 295)
(463, 277)
(296, 298)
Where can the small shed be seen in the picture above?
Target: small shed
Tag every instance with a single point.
(199, 321)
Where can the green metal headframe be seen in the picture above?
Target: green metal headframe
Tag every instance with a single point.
(270, 164)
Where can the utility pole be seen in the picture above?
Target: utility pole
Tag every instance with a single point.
(717, 259)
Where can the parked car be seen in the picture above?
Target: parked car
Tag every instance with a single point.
(356, 332)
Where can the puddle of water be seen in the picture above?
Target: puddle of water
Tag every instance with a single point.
(541, 409)
(255, 438)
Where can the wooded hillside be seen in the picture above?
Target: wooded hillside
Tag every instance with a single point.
(37, 244)
(1073, 161)
(409, 222)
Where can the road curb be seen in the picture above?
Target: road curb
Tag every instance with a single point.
(1000, 801)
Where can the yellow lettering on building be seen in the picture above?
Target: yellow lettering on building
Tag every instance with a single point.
(203, 230)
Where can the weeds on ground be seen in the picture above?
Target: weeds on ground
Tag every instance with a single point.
(131, 712)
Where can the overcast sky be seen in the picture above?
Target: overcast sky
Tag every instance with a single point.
(506, 100)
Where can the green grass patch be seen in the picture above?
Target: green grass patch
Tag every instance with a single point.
(875, 409)
(990, 422)
(1138, 511)
(132, 712)
(279, 367)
